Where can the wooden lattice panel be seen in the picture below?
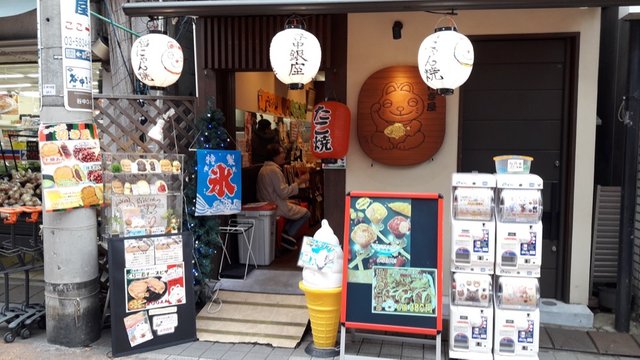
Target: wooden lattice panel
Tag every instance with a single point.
(124, 121)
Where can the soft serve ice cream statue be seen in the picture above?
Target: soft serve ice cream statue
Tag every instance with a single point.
(327, 272)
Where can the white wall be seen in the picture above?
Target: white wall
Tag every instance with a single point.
(371, 47)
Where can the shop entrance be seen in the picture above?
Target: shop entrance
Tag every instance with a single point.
(520, 99)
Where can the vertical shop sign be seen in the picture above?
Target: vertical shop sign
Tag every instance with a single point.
(76, 54)
(219, 182)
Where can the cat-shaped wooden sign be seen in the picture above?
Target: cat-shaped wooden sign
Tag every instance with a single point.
(401, 121)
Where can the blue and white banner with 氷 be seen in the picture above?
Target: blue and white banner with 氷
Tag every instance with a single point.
(219, 182)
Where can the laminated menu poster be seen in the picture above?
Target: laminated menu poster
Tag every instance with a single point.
(151, 292)
(379, 235)
(71, 166)
(219, 182)
(393, 262)
(403, 291)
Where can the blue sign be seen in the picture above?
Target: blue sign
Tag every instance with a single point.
(219, 182)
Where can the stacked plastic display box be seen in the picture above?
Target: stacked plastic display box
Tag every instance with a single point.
(496, 246)
(472, 264)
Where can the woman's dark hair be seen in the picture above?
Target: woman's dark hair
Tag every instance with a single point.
(273, 150)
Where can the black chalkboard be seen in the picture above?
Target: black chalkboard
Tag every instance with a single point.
(151, 292)
(392, 274)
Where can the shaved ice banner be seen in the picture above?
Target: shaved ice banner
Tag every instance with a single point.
(219, 182)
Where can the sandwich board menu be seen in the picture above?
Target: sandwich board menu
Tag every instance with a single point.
(392, 271)
(151, 292)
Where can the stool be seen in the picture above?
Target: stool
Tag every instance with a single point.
(238, 227)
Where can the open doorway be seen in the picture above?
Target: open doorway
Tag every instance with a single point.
(266, 112)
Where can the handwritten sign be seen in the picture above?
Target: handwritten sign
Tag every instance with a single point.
(147, 213)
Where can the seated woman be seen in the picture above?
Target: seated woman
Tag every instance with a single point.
(272, 187)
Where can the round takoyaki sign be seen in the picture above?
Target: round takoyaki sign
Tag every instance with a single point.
(401, 121)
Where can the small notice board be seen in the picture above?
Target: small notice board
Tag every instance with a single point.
(392, 275)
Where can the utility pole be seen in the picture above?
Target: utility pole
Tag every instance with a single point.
(70, 237)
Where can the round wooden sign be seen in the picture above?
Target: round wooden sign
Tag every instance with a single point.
(401, 121)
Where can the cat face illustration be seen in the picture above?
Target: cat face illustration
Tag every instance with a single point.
(399, 103)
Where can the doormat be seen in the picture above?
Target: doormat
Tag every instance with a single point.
(267, 282)
(243, 317)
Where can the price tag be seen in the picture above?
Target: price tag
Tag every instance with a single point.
(515, 165)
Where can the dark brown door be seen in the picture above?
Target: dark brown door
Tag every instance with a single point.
(518, 100)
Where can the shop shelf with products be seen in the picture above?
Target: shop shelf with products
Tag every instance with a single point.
(143, 194)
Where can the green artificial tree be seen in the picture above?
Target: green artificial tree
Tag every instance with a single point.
(211, 134)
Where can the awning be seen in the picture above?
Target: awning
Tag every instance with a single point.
(308, 7)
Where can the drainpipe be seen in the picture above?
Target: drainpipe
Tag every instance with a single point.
(629, 183)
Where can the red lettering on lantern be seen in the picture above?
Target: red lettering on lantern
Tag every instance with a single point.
(330, 130)
(219, 181)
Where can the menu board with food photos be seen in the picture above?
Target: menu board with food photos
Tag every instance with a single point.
(71, 165)
(151, 292)
(392, 273)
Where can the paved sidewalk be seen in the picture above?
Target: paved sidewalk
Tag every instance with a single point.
(37, 348)
(555, 343)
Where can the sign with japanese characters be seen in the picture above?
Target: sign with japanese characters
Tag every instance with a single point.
(76, 54)
(393, 262)
(71, 166)
(219, 182)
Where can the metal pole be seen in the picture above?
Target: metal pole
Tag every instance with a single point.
(115, 24)
(629, 183)
(70, 237)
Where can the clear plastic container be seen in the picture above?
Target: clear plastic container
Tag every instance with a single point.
(513, 164)
(471, 290)
(517, 293)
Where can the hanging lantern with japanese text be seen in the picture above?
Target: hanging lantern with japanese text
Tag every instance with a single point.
(330, 130)
(295, 55)
(157, 60)
(445, 59)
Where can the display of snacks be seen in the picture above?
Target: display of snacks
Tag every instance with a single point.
(142, 194)
(471, 289)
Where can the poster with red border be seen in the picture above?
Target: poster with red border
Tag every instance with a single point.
(392, 270)
(71, 165)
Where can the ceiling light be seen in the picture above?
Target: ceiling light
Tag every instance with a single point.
(30, 93)
(11, 76)
(33, 75)
(9, 86)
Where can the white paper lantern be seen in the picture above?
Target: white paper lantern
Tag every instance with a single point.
(445, 60)
(157, 60)
(295, 56)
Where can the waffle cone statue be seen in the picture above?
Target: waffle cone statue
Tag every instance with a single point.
(321, 257)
